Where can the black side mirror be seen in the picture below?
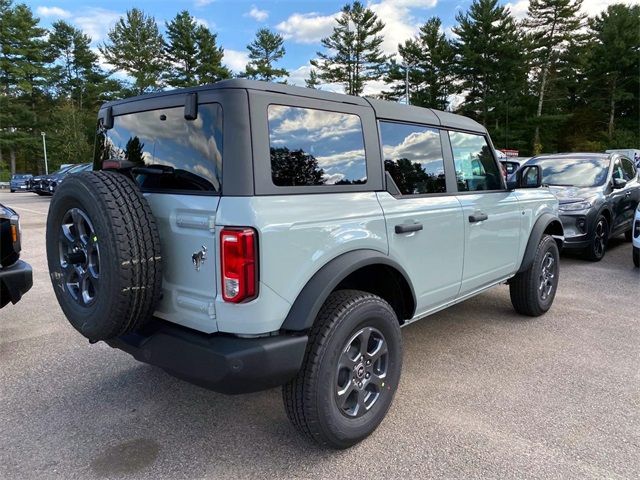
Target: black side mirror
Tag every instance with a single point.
(529, 176)
(619, 183)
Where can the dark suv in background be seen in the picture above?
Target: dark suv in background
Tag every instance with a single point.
(598, 195)
(15, 275)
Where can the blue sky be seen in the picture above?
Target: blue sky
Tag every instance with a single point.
(302, 23)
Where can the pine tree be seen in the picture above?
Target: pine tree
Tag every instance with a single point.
(353, 54)
(209, 68)
(23, 75)
(135, 46)
(429, 57)
(76, 63)
(614, 63)
(489, 61)
(192, 53)
(551, 25)
(265, 50)
(313, 81)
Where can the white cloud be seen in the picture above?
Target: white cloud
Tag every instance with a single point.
(400, 24)
(590, 7)
(307, 27)
(257, 14)
(96, 22)
(203, 22)
(203, 3)
(236, 60)
(53, 12)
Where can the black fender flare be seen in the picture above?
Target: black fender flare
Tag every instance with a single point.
(535, 236)
(305, 308)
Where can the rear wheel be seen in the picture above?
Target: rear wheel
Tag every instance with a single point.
(532, 291)
(103, 251)
(350, 372)
(596, 250)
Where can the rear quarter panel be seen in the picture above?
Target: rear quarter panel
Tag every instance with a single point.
(298, 235)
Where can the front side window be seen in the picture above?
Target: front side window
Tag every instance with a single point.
(413, 158)
(476, 168)
(315, 147)
(171, 153)
(629, 169)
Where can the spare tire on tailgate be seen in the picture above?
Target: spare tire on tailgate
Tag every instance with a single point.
(103, 251)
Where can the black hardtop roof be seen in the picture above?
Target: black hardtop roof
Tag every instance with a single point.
(383, 109)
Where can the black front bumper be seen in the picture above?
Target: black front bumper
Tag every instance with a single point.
(219, 362)
(15, 281)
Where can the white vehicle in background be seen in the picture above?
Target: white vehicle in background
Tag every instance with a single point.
(632, 153)
(636, 239)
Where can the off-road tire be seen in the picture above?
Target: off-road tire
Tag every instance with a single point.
(636, 257)
(129, 276)
(309, 398)
(525, 287)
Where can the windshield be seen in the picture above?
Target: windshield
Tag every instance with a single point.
(573, 171)
(77, 168)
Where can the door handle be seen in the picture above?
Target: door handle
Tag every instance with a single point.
(408, 227)
(478, 217)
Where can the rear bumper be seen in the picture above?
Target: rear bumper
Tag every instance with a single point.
(218, 362)
(15, 281)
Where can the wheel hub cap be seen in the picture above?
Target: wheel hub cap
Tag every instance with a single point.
(547, 276)
(79, 256)
(362, 371)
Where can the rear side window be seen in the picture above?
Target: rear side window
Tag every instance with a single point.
(315, 147)
(180, 155)
(413, 157)
(476, 169)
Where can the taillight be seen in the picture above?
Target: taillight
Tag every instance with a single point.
(239, 264)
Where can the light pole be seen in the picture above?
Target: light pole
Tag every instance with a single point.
(44, 147)
(407, 66)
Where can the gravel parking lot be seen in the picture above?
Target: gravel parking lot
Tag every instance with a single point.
(485, 393)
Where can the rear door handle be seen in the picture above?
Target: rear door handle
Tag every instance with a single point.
(408, 227)
(478, 217)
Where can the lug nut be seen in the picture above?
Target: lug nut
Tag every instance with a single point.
(367, 375)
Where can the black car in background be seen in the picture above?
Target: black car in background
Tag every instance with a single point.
(16, 277)
(56, 180)
(598, 194)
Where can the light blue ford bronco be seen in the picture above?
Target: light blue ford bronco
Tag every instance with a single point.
(246, 235)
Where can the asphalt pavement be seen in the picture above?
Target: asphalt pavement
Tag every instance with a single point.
(485, 393)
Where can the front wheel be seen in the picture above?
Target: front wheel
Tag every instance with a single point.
(636, 257)
(596, 250)
(350, 372)
(533, 290)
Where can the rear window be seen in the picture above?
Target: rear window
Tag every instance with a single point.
(171, 153)
(315, 147)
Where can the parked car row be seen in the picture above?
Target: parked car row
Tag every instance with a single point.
(45, 184)
(15, 275)
(598, 194)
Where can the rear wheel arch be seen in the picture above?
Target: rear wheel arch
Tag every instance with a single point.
(365, 270)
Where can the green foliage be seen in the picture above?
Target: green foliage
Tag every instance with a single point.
(265, 50)
(353, 53)
(313, 81)
(192, 54)
(134, 47)
(429, 57)
(613, 66)
(490, 65)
